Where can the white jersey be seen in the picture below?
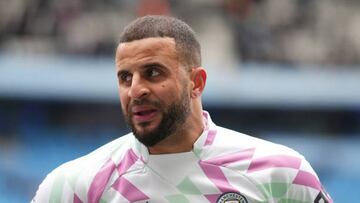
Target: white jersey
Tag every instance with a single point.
(224, 166)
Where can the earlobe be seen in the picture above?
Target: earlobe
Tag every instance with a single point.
(199, 81)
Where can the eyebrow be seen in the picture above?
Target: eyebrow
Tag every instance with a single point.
(152, 64)
(144, 66)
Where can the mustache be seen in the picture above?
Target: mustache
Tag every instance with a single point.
(142, 102)
(139, 102)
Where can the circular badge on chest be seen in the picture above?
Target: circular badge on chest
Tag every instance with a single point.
(231, 197)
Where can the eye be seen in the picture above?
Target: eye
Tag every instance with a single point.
(152, 72)
(124, 77)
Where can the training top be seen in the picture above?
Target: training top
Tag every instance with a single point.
(224, 166)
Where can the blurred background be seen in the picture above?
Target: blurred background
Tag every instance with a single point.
(284, 70)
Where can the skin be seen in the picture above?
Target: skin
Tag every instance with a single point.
(149, 69)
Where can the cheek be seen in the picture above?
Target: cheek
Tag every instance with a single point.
(123, 100)
(168, 91)
(176, 94)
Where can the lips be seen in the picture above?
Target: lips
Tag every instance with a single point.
(143, 114)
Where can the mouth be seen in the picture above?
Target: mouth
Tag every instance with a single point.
(144, 115)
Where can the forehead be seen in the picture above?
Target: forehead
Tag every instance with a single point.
(146, 49)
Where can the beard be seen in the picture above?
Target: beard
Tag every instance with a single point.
(173, 117)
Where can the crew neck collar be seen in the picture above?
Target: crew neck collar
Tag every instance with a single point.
(205, 139)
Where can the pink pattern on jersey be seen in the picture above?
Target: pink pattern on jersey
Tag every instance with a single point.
(99, 182)
(274, 162)
(128, 190)
(215, 174)
(76, 199)
(227, 159)
(210, 137)
(129, 159)
(122, 185)
(211, 133)
(212, 198)
(307, 179)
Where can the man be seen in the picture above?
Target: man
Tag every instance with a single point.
(175, 153)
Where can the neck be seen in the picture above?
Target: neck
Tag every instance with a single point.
(184, 138)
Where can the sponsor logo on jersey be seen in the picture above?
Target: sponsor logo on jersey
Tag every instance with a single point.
(231, 197)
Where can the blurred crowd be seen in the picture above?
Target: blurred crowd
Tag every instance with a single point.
(40, 134)
(230, 31)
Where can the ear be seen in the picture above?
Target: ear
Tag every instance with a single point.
(198, 78)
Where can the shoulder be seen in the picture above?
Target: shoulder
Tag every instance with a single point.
(263, 156)
(229, 140)
(277, 170)
(76, 176)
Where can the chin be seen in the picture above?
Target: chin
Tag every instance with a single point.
(145, 128)
(148, 126)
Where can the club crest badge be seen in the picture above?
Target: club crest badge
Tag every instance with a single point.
(231, 197)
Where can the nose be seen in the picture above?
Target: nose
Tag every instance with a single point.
(138, 88)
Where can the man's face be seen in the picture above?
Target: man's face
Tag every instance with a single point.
(153, 88)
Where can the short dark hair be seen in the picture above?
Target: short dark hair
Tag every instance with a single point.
(186, 44)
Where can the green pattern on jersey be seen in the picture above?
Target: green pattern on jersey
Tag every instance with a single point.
(177, 199)
(197, 152)
(72, 180)
(291, 201)
(274, 190)
(102, 201)
(57, 189)
(187, 187)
